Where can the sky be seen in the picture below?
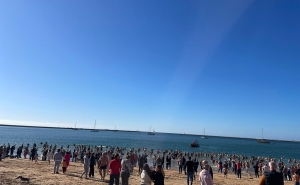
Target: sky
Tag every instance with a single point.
(231, 67)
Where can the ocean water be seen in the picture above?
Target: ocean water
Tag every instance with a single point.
(162, 141)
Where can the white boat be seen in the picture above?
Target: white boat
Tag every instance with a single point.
(204, 137)
(95, 130)
(115, 130)
(151, 133)
(262, 140)
(75, 127)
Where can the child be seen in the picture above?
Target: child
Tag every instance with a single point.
(64, 166)
(36, 157)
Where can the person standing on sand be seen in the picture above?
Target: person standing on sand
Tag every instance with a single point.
(67, 158)
(204, 162)
(196, 164)
(92, 165)
(86, 162)
(168, 162)
(125, 170)
(1, 152)
(158, 176)
(296, 177)
(49, 156)
(239, 169)
(57, 160)
(190, 171)
(272, 177)
(115, 168)
(256, 170)
(146, 175)
(205, 177)
(102, 165)
(179, 161)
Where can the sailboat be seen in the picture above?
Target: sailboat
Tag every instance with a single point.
(151, 133)
(95, 130)
(204, 137)
(262, 140)
(115, 130)
(75, 127)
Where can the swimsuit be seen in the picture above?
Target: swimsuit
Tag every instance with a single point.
(103, 167)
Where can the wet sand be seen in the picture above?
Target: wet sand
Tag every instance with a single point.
(43, 174)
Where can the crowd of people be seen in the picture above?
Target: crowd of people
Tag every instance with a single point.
(118, 163)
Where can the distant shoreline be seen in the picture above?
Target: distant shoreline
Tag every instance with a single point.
(70, 128)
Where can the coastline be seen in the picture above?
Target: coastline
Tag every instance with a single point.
(112, 130)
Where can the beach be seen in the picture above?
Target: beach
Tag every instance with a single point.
(42, 173)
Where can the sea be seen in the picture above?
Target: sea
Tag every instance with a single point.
(159, 141)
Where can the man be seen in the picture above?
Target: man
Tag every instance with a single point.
(256, 170)
(183, 164)
(239, 169)
(190, 171)
(272, 177)
(57, 160)
(205, 177)
(168, 162)
(102, 165)
(141, 163)
(179, 161)
(115, 169)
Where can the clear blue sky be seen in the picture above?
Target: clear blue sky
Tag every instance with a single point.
(232, 67)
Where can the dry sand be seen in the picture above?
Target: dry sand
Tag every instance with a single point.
(43, 174)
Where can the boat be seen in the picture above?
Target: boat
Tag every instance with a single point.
(115, 130)
(262, 140)
(75, 127)
(204, 137)
(151, 133)
(95, 130)
(194, 144)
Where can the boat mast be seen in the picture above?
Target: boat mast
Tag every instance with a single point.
(262, 133)
(95, 124)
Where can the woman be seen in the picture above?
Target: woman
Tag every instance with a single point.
(146, 175)
(67, 158)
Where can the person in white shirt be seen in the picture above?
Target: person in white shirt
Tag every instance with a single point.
(49, 156)
(205, 177)
(146, 175)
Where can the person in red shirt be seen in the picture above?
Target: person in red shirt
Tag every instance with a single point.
(115, 169)
(239, 169)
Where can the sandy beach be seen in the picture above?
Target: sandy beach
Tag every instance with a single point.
(42, 173)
